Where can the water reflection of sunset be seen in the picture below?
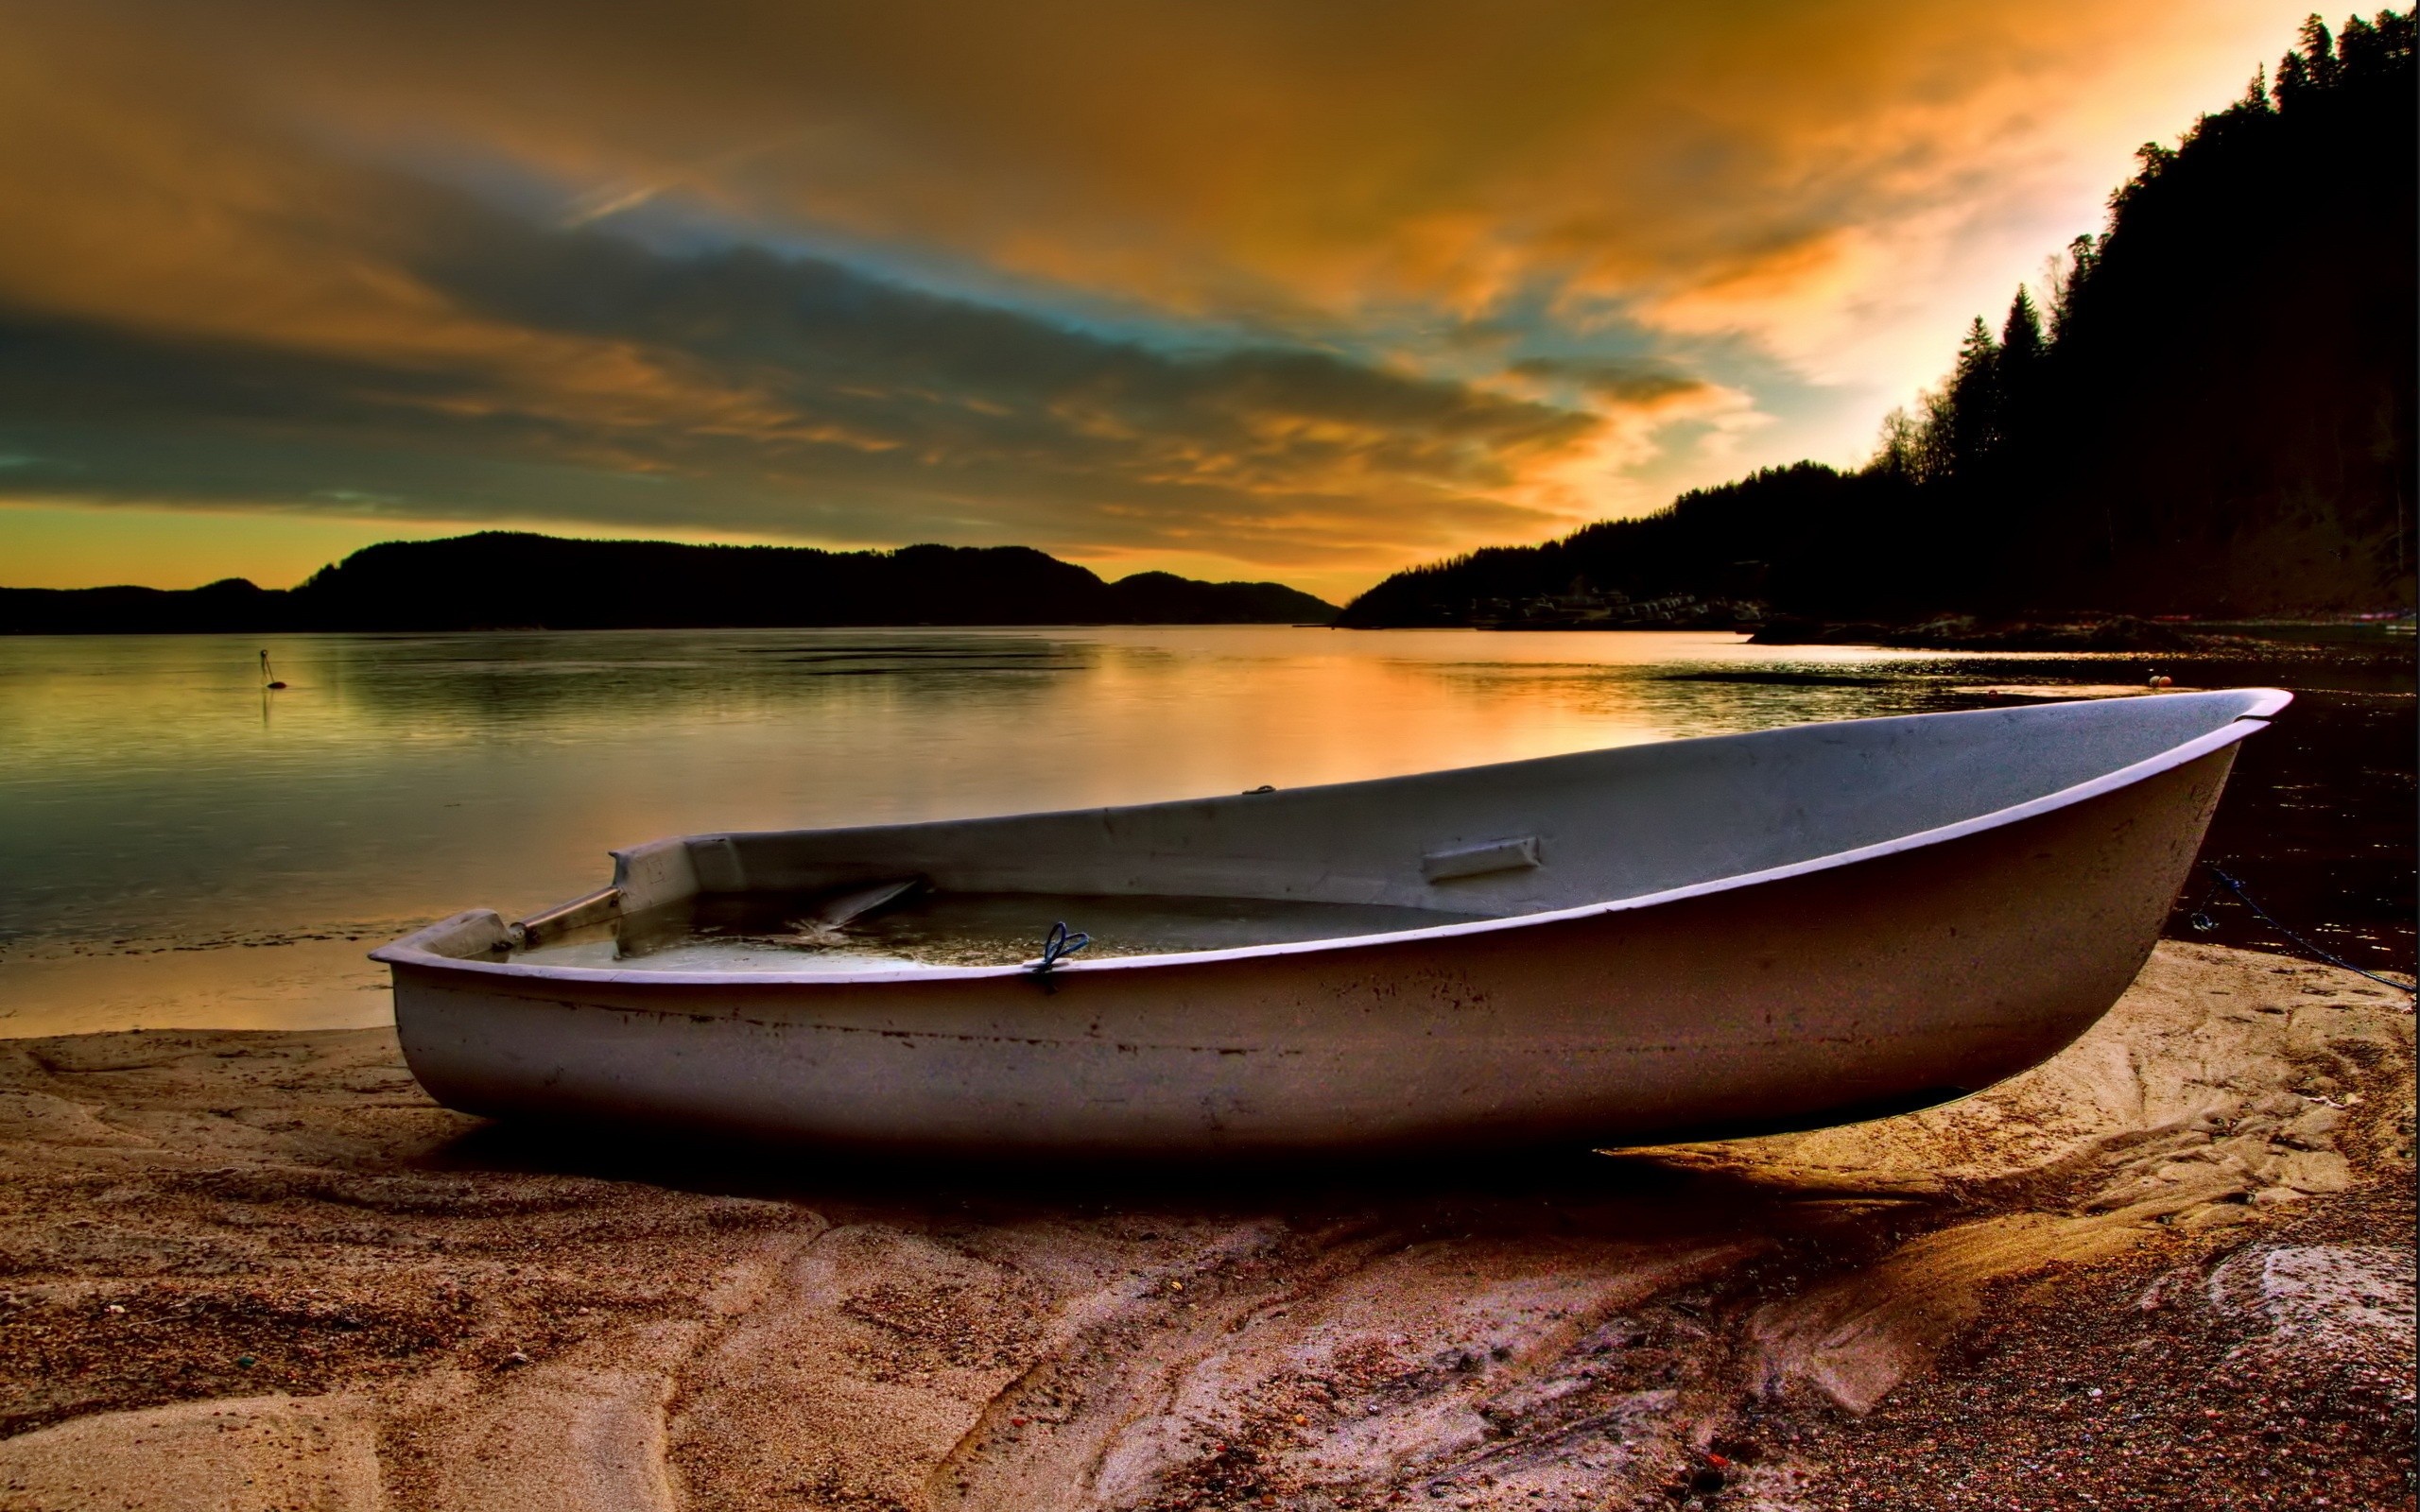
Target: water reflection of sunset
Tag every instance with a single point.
(152, 794)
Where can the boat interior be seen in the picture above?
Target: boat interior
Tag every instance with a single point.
(1348, 859)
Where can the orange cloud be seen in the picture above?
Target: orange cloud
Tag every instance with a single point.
(1107, 278)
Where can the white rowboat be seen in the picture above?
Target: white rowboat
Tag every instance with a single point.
(1743, 933)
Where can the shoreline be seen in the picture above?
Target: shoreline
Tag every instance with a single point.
(2315, 636)
(2359, 637)
(265, 1257)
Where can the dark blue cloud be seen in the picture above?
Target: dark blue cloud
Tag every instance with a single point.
(739, 389)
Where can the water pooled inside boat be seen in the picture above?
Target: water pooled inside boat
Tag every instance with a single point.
(908, 923)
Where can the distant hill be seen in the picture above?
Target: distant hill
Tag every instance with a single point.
(506, 580)
(2213, 416)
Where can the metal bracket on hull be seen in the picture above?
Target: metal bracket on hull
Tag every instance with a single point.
(1480, 860)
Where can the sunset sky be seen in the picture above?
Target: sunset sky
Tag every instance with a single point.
(1286, 290)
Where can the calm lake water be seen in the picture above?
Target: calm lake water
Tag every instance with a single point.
(181, 848)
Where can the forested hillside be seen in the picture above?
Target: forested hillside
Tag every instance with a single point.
(509, 581)
(2212, 413)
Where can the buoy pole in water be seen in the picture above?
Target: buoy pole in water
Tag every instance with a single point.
(269, 679)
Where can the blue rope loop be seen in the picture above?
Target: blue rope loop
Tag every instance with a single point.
(1057, 946)
(2271, 920)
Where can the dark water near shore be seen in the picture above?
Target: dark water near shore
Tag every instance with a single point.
(180, 847)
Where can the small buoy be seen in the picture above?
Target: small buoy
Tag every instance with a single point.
(269, 679)
(2159, 682)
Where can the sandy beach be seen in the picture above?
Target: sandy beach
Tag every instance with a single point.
(248, 1270)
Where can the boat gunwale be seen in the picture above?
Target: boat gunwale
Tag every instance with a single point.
(2266, 703)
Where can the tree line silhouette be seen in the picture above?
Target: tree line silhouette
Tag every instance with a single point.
(2210, 412)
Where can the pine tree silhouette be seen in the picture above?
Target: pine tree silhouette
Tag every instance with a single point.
(2218, 417)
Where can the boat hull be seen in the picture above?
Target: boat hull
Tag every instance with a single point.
(1876, 984)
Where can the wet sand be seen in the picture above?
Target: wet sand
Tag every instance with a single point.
(2171, 1267)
